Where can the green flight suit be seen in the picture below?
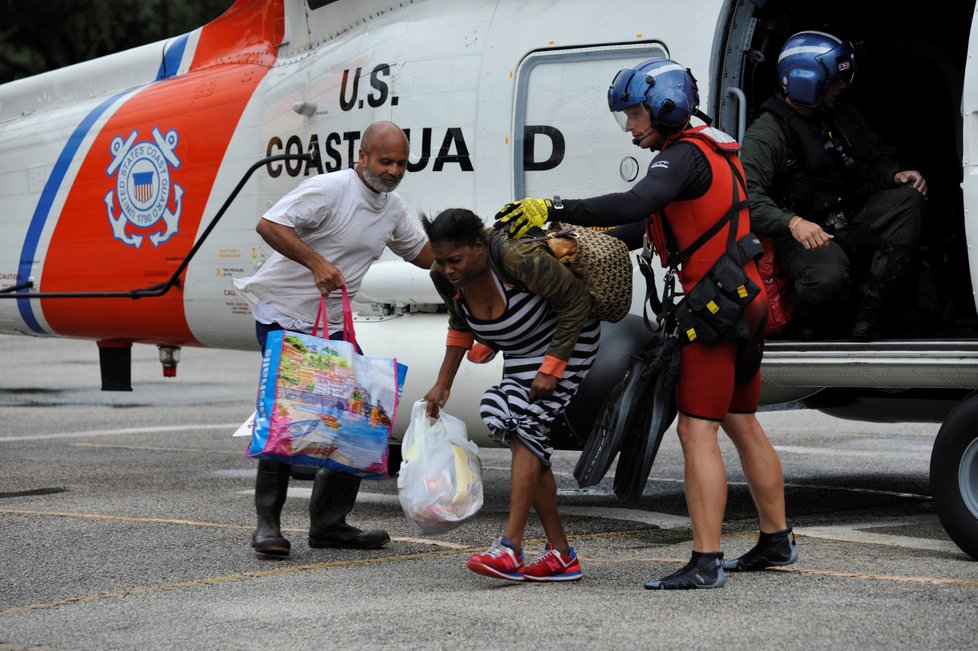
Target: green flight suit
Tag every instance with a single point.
(821, 277)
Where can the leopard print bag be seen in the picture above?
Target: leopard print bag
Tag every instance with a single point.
(601, 261)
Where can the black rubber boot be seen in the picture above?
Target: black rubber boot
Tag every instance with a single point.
(333, 496)
(772, 550)
(271, 487)
(704, 570)
(866, 325)
(304, 473)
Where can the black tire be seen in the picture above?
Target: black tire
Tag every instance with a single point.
(954, 475)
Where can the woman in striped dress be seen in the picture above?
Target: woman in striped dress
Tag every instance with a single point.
(529, 306)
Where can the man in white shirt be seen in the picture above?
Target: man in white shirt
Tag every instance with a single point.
(326, 233)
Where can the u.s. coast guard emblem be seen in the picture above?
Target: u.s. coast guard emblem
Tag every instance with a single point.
(142, 188)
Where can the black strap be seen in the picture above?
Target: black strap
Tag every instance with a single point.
(662, 308)
(731, 215)
(651, 296)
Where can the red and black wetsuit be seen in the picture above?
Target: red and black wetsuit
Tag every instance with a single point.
(690, 185)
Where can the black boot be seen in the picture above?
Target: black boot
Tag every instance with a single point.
(271, 487)
(305, 473)
(333, 496)
(866, 326)
(806, 321)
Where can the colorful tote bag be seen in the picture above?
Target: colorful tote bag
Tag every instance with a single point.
(321, 403)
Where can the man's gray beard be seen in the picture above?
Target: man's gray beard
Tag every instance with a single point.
(377, 183)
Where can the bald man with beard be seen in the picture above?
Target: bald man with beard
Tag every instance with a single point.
(326, 233)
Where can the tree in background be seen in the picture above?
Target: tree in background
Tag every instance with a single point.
(36, 36)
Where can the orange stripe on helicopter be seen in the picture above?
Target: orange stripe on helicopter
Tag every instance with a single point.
(138, 200)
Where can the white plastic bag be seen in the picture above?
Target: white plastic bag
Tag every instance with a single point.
(247, 428)
(440, 481)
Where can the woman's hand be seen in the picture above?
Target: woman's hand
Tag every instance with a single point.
(436, 398)
(543, 386)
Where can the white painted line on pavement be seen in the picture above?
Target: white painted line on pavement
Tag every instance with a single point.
(230, 427)
(844, 489)
(557, 473)
(903, 453)
(597, 491)
(363, 497)
(852, 533)
(661, 520)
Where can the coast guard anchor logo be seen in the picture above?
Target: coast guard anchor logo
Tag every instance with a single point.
(142, 187)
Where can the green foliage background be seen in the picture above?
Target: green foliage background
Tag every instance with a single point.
(41, 35)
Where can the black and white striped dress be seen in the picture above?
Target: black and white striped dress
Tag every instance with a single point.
(522, 334)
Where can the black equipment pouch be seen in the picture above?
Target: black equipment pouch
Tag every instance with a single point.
(711, 311)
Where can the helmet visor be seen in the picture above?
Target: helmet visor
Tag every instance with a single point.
(621, 119)
(629, 116)
(627, 89)
(839, 63)
(845, 69)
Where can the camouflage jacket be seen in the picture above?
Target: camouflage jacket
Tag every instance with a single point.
(530, 265)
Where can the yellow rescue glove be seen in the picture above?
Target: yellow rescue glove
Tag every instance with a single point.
(523, 215)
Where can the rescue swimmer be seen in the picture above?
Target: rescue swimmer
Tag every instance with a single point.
(695, 193)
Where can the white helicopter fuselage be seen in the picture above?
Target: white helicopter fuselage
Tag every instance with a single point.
(131, 185)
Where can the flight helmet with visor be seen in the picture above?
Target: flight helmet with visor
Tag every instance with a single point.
(666, 89)
(810, 62)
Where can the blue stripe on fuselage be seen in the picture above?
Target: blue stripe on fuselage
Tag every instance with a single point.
(42, 212)
(171, 60)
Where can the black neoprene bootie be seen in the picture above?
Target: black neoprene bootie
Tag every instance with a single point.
(271, 487)
(704, 570)
(333, 496)
(772, 550)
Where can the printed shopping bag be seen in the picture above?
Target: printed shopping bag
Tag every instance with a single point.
(321, 403)
(440, 482)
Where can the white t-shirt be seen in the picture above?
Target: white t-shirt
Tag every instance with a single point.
(348, 224)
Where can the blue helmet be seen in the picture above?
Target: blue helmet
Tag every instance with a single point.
(808, 64)
(667, 89)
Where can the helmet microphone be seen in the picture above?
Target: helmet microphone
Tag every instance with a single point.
(637, 139)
